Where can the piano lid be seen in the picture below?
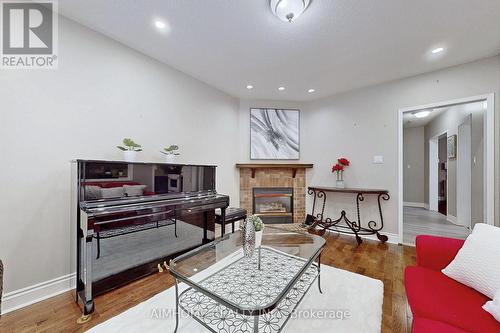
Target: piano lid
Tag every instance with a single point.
(102, 183)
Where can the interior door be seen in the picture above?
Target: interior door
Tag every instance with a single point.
(464, 173)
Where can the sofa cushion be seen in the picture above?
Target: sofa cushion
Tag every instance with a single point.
(433, 295)
(493, 306)
(113, 192)
(422, 325)
(477, 263)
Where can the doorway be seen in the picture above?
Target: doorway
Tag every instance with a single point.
(453, 188)
(442, 175)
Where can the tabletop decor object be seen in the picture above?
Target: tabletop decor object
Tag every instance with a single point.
(339, 167)
(258, 226)
(248, 238)
(170, 152)
(130, 149)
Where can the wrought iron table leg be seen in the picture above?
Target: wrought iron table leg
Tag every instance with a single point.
(319, 274)
(176, 306)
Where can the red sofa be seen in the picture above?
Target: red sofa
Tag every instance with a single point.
(440, 304)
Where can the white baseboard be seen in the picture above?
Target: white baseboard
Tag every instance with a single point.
(451, 218)
(416, 204)
(26, 296)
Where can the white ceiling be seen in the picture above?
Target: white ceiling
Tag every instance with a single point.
(335, 46)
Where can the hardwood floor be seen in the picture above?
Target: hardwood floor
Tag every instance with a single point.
(385, 262)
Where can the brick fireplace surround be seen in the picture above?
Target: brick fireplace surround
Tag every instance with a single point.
(274, 175)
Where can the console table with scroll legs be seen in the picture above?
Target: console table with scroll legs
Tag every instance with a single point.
(343, 224)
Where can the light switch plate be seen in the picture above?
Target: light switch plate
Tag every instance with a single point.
(378, 159)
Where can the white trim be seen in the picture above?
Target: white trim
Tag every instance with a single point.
(416, 204)
(452, 219)
(26, 296)
(489, 156)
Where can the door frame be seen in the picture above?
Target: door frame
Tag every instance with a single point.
(489, 153)
(464, 205)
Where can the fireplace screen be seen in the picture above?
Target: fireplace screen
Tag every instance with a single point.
(273, 204)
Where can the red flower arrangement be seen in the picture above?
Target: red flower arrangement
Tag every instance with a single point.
(339, 167)
(344, 161)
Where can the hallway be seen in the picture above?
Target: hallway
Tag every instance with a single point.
(420, 221)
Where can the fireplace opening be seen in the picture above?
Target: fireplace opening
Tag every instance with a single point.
(273, 204)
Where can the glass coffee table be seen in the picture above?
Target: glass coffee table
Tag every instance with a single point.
(228, 292)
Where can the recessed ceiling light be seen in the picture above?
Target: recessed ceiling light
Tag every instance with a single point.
(311, 91)
(437, 50)
(281, 88)
(160, 24)
(422, 114)
(249, 87)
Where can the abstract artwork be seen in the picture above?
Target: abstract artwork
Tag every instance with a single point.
(452, 147)
(274, 134)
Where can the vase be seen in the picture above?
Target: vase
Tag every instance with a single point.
(258, 238)
(340, 184)
(130, 156)
(248, 239)
(169, 158)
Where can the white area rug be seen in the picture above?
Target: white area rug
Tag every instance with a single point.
(350, 302)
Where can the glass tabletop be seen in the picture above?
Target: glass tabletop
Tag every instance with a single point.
(255, 284)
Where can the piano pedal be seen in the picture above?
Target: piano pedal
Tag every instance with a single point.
(83, 319)
(165, 265)
(160, 269)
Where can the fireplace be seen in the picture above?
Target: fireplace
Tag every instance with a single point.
(273, 204)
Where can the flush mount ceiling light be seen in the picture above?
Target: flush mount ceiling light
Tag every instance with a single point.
(160, 24)
(249, 87)
(311, 91)
(288, 10)
(281, 88)
(422, 114)
(437, 50)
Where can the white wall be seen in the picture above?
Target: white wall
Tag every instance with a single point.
(413, 165)
(102, 92)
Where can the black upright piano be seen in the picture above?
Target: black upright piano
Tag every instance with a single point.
(132, 218)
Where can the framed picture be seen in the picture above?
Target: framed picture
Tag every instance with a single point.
(274, 134)
(452, 147)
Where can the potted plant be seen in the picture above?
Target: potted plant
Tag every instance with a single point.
(130, 149)
(170, 152)
(339, 167)
(258, 226)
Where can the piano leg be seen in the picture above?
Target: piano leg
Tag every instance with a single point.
(223, 221)
(205, 228)
(88, 306)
